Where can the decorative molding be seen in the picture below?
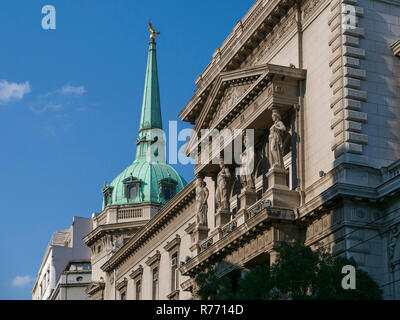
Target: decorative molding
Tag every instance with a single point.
(137, 273)
(230, 98)
(347, 96)
(274, 39)
(154, 259)
(172, 244)
(187, 285)
(104, 229)
(94, 287)
(122, 285)
(174, 295)
(257, 224)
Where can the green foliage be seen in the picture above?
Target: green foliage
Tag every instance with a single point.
(299, 273)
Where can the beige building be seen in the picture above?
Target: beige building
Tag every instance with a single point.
(319, 83)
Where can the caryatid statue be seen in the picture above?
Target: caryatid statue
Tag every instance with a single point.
(223, 184)
(276, 141)
(247, 165)
(201, 201)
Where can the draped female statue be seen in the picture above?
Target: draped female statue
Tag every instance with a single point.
(276, 141)
(201, 201)
(223, 184)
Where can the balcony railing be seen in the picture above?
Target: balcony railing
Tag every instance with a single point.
(130, 213)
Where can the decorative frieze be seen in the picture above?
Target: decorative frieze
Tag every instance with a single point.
(347, 96)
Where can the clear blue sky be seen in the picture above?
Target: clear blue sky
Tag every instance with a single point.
(70, 101)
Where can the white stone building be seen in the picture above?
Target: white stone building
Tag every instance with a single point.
(65, 246)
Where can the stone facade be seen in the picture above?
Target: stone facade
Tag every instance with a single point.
(331, 70)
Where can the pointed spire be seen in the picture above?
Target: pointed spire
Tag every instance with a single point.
(151, 108)
(150, 120)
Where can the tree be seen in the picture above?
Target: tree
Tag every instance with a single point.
(299, 273)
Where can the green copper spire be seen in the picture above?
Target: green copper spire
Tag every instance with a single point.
(151, 142)
(151, 108)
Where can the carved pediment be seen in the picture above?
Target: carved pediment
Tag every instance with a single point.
(229, 89)
(237, 94)
(231, 96)
(94, 287)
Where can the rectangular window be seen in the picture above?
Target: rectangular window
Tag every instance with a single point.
(138, 290)
(155, 284)
(123, 296)
(174, 272)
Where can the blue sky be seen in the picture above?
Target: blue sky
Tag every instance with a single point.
(70, 101)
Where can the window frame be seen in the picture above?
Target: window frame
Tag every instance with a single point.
(167, 183)
(155, 283)
(129, 183)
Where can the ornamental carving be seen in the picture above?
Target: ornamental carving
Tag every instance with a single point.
(273, 38)
(309, 7)
(230, 98)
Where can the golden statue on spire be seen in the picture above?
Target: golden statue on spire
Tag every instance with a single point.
(153, 32)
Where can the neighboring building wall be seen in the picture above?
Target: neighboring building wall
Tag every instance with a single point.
(73, 282)
(64, 246)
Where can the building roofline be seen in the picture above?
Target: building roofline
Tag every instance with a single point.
(166, 212)
(262, 16)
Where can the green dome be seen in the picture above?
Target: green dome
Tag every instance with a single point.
(150, 179)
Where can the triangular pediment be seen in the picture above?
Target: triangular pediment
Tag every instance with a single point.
(94, 287)
(234, 90)
(228, 90)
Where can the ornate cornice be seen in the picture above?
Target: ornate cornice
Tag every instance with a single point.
(167, 212)
(333, 186)
(246, 36)
(100, 231)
